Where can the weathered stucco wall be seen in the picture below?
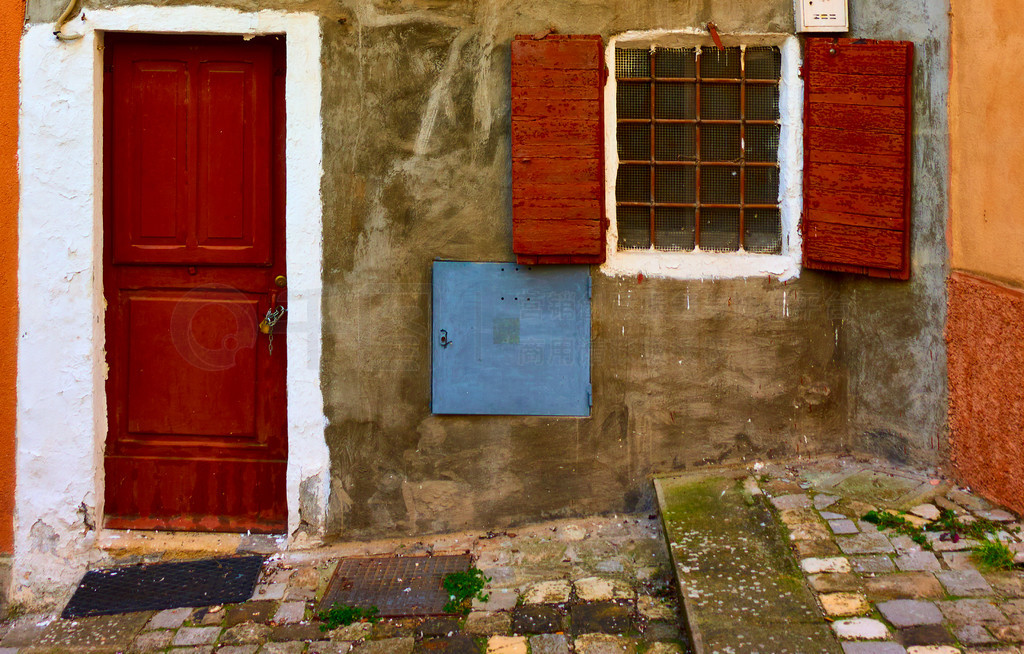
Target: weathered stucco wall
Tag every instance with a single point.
(986, 364)
(894, 330)
(11, 20)
(986, 320)
(417, 158)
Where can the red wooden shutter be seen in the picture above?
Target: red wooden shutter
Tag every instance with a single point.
(857, 156)
(558, 149)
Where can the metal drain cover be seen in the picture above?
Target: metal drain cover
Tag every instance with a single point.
(396, 585)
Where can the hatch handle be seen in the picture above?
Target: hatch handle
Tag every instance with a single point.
(444, 340)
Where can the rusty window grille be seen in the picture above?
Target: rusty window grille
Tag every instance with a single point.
(698, 141)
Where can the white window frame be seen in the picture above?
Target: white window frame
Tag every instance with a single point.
(714, 265)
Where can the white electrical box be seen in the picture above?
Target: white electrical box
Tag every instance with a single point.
(822, 16)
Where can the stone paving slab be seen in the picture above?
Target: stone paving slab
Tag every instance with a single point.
(928, 598)
(741, 585)
(108, 633)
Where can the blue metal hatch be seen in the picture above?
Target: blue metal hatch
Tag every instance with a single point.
(510, 339)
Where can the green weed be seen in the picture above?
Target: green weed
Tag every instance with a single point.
(993, 555)
(463, 588)
(341, 615)
(899, 524)
(953, 528)
(949, 526)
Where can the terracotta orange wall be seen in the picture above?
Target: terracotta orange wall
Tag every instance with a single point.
(11, 21)
(985, 328)
(985, 332)
(986, 108)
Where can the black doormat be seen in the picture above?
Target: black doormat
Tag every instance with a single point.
(158, 586)
(396, 585)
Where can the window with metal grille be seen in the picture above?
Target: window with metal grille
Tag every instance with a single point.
(698, 141)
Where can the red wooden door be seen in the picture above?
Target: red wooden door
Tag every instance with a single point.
(194, 241)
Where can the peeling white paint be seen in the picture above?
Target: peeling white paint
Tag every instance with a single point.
(711, 265)
(61, 368)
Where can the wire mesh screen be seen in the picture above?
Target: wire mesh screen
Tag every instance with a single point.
(674, 228)
(720, 230)
(762, 231)
(675, 142)
(762, 143)
(675, 101)
(763, 62)
(720, 185)
(675, 62)
(633, 184)
(675, 184)
(762, 102)
(723, 64)
(698, 143)
(633, 100)
(634, 142)
(632, 63)
(720, 143)
(634, 228)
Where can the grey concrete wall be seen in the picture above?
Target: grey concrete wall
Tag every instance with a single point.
(685, 374)
(894, 331)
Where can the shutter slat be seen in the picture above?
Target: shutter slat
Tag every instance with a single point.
(856, 140)
(892, 120)
(534, 76)
(856, 97)
(857, 154)
(559, 54)
(557, 150)
(838, 177)
(857, 158)
(551, 236)
(857, 219)
(854, 245)
(868, 204)
(859, 57)
(532, 107)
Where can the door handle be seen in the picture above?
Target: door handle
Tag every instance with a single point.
(444, 340)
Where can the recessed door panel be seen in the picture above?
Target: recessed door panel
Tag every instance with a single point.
(192, 363)
(157, 200)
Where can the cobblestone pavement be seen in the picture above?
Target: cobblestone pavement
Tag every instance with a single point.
(591, 586)
(882, 591)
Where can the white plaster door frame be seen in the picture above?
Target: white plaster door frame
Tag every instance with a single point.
(62, 423)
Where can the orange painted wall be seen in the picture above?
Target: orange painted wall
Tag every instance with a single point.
(985, 325)
(986, 108)
(11, 22)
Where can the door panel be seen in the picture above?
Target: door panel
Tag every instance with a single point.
(192, 370)
(194, 238)
(157, 202)
(192, 184)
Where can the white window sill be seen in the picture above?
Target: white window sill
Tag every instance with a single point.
(701, 265)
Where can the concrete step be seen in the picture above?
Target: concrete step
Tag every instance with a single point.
(739, 583)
